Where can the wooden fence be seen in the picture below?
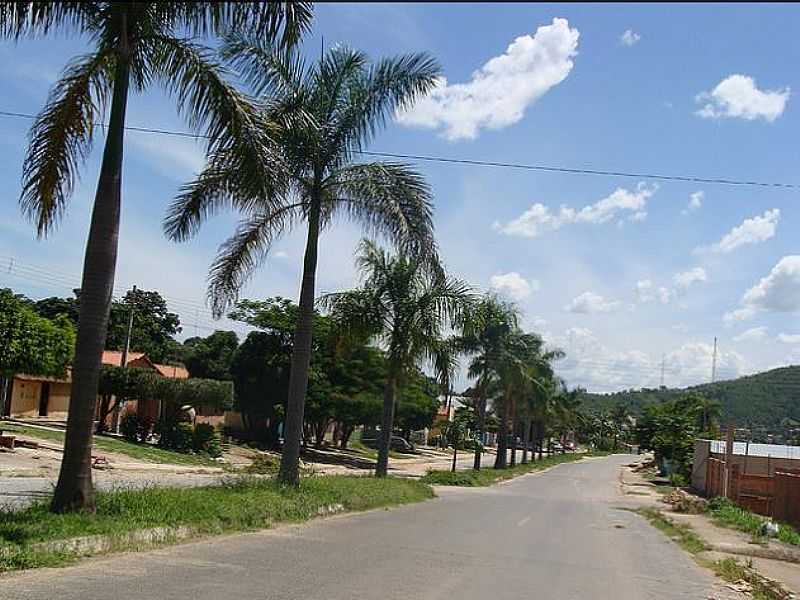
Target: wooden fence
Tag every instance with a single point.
(776, 496)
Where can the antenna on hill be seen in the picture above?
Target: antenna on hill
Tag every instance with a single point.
(663, 359)
(714, 362)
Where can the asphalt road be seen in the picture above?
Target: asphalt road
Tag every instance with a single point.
(556, 535)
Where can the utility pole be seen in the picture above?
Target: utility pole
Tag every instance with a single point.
(714, 362)
(124, 362)
(127, 347)
(663, 359)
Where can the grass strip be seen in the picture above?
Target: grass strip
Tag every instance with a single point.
(680, 533)
(241, 504)
(726, 514)
(142, 452)
(761, 588)
(488, 476)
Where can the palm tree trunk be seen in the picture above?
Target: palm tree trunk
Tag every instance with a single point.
(387, 422)
(500, 460)
(74, 491)
(526, 428)
(513, 432)
(481, 425)
(301, 356)
(455, 457)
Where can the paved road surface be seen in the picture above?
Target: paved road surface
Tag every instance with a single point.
(555, 535)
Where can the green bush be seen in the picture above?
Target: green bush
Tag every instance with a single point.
(175, 435)
(134, 428)
(206, 440)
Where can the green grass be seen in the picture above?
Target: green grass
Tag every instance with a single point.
(733, 571)
(143, 452)
(726, 514)
(488, 475)
(241, 504)
(680, 533)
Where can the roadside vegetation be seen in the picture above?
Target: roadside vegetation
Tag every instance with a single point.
(726, 514)
(142, 452)
(681, 534)
(486, 477)
(240, 504)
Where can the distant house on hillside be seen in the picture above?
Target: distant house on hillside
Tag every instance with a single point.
(47, 398)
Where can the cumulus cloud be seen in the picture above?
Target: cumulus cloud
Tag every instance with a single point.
(789, 338)
(513, 285)
(753, 334)
(695, 202)
(779, 291)
(751, 231)
(629, 38)
(500, 91)
(737, 96)
(539, 219)
(592, 364)
(683, 281)
(589, 303)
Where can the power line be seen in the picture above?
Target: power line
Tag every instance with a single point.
(489, 163)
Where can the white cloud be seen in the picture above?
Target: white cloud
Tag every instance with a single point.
(740, 314)
(539, 219)
(738, 97)
(789, 338)
(645, 290)
(751, 335)
(280, 254)
(629, 38)
(779, 291)
(589, 302)
(591, 364)
(751, 231)
(499, 92)
(538, 323)
(513, 285)
(695, 202)
(683, 281)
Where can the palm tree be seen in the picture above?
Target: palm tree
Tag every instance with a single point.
(482, 334)
(708, 411)
(134, 44)
(405, 305)
(318, 119)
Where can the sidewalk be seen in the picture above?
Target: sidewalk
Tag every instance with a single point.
(774, 560)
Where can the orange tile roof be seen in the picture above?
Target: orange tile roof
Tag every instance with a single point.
(114, 357)
(172, 371)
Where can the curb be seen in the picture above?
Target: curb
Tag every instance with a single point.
(784, 554)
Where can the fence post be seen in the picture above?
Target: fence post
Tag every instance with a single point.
(728, 461)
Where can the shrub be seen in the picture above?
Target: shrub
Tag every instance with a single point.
(175, 435)
(206, 440)
(134, 428)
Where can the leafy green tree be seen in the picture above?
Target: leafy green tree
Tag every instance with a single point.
(417, 403)
(210, 357)
(406, 308)
(319, 116)
(138, 45)
(30, 343)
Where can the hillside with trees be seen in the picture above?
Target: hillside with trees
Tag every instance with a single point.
(767, 402)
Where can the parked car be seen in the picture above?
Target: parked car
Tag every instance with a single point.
(398, 444)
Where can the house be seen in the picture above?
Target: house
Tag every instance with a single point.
(47, 398)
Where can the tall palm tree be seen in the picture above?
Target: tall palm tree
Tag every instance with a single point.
(133, 45)
(319, 118)
(482, 334)
(406, 306)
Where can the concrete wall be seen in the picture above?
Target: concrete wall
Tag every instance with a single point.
(702, 450)
(58, 404)
(25, 398)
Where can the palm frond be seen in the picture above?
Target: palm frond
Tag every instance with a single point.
(264, 67)
(285, 22)
(388, 199)
(37, 19)
(389, 85)
(243, 252)
(61, 139)
(205, 98)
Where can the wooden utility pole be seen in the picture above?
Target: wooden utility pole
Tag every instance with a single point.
(714, 362)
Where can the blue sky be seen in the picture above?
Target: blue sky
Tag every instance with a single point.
(630, 272)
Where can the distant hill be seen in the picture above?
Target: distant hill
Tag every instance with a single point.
(768, 400)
